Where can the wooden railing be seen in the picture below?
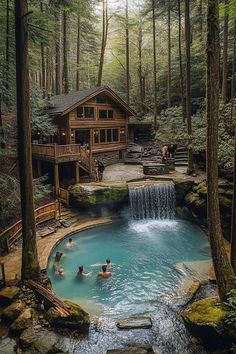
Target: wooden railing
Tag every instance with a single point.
(13, 233)
(63, 196)
(54, 150)
(85, 157)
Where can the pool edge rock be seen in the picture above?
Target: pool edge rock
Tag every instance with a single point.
(204, 319)
(78, 319)
(92, 195)
(134, 322)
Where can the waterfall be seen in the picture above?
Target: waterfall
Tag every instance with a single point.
(153, 202)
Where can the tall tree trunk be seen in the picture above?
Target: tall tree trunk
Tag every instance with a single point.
(233, 218)
(7, 58)
(188, 87)
(223, 269)
(105, 24)
(154, 63)
(233, 80)
(58, 52)
(200, 18)
(127, 50)
(181, 64)
(65, 55)
(78, 54)
(43, 64)
(140, 76)
(225, 54)
(169, 57)
(30, 265)
(48, 73)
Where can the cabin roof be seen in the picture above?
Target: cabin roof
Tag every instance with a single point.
(62, 104)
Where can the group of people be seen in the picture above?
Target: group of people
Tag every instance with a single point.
(168, 151)
(59, 271)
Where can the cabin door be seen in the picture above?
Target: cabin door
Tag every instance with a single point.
(82, 137)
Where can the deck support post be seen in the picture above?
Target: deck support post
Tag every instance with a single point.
(56, 179)
(76, 171)
(90, 151)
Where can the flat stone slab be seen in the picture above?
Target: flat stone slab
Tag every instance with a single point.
(8, 294)
(133, 350)
(153, 168)
(134, 323)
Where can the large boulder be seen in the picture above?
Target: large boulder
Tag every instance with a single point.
(205, 320)
(182, 187)
(78, 318)
(23, 321)
(8, 294)
(92, 195)
(7, 345)
(13, 311)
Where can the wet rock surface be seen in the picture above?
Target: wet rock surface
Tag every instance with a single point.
(7, 346)
(204, 319)
(133, 350)
(134, 322)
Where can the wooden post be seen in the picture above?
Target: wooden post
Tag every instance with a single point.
(3, 273)
(76, 171)
(56, 179)
(90, 150)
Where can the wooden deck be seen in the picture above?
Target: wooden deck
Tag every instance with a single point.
(57, 153)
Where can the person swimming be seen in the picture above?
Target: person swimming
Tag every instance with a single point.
(57, 260)
(104, 273)
(70, 243)
(81, 272)
(60, 272)
(108, 263)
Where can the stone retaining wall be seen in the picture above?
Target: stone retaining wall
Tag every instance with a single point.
(110, 157)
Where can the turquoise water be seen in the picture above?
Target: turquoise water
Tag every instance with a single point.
(144, 254)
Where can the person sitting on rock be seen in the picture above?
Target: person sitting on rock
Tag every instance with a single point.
(104, 273)
(164, 152)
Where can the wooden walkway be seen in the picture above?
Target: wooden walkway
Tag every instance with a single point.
(12, 261)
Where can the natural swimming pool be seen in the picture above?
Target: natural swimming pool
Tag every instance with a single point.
(144, 254)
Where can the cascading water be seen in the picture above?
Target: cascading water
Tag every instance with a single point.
(153, 202)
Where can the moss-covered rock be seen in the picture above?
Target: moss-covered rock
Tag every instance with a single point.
(182, 188)
(78, 318)
(205, 319)
(92, 195)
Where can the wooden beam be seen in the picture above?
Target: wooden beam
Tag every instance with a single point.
(56, 179)
(76, 172)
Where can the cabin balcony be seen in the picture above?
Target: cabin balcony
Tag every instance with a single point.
(58, 153)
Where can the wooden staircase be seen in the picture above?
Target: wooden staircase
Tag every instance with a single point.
(181, 157)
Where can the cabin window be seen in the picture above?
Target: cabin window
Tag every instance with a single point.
(102, 136)
(108, 135)
(80, 112)
(102, 114)
(89, 112)
(110, 114)
(115, 135)
(96, 137)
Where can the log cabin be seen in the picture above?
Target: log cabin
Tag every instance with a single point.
(91, 124)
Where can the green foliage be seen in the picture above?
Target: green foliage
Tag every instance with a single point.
(230, 319)
(10, 197)
(40, 120)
